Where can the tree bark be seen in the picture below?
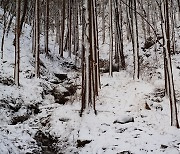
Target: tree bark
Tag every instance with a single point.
(166, 32)
(111, 39)
(47, 28)
(17, 43)
(37, 39)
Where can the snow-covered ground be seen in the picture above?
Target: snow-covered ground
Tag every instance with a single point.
(121, 100)
(132, 116)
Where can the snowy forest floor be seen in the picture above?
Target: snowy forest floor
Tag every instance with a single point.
(123, 122)
(132, 116)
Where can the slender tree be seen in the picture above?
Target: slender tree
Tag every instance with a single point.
(61, 44)
(46, 27)
(136, 42)
(119, 33)
(25, 7)
(111, 39)
(69, 26)
(37, 39)
(5, 6)
(103, 20)
(17, 43)
(167, 46)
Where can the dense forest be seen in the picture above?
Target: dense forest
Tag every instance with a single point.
(75, 71)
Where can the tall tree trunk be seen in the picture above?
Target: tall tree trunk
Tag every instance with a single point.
(143, 12)
(119, 33)
(88, 94)
(17, 43)
(69, 26)
(4, 31)
(83, 87)
(166, 32)
(95, 48)
(62, 29)
(37, 39)
(178, 1)
(111, 39)
(25, 6)
(136, 43)
(103, 21)
(47, 27)
(75, 28)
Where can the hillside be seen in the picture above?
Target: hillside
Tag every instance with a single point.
(42, 115)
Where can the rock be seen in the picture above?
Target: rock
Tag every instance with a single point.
(64, 119)
(147, 106)
(34, 108)
(72, 89)
(164, 146)
(46, 88)
(82, 143)
(178, 67)
(19, 119)
(121, 130)
(147, 55)
(12, 103)
(7, 81)
(69, 65)
(30, 76)
(106, 85)
(159, 107)
(45, 120)
(124, 120)
(55, 82)
(149, 42)
(125, 152)
(59, 97)
(46, 142)
(159, 93)
(106, 69)
(61, 93)
(61, 76)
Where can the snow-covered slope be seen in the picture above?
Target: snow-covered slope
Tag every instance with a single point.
(22, 107)
(132, 117)
(123, 124)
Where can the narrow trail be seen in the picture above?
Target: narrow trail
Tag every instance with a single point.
(122, 123)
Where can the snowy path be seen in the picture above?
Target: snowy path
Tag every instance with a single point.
(120, 100)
